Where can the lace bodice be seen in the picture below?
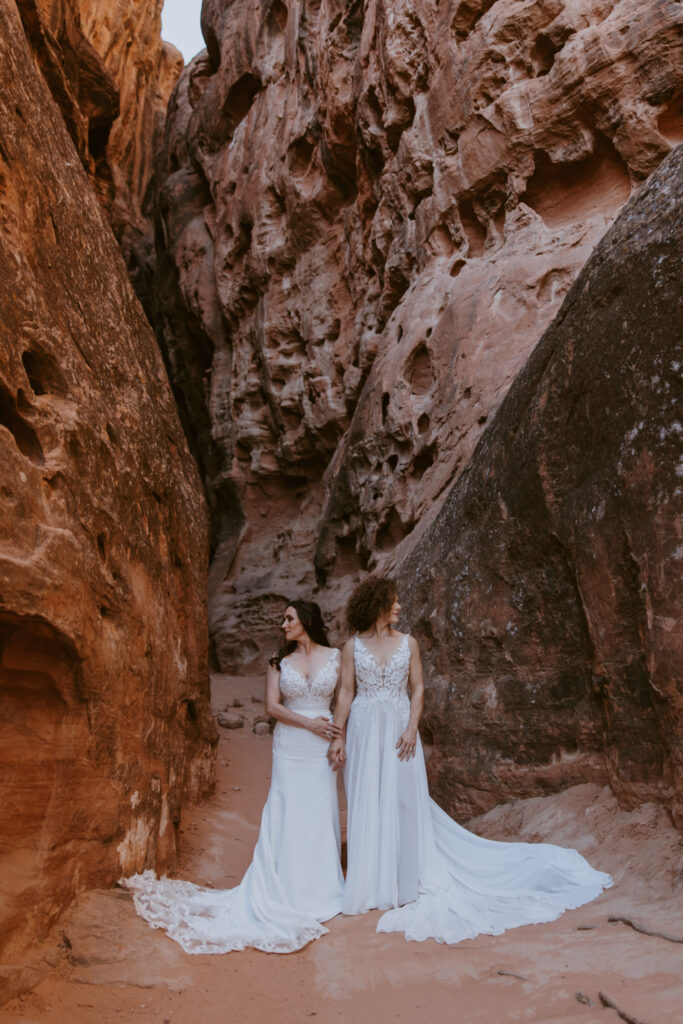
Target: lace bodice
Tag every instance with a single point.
(299, 692)
(382, 682)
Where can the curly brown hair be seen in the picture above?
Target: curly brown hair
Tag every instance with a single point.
(371, 598)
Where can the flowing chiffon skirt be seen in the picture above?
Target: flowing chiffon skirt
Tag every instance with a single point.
(440, 881)
(294, 881)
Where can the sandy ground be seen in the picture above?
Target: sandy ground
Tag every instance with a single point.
(106, 965)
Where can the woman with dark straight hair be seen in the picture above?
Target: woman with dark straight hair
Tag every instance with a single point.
(294, 881)
(405, 855)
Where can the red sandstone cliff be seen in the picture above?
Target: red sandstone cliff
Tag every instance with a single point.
(104, 718)
(370, 213)
(367, 216)
(111, 75)
(548, 592)
(127, 37)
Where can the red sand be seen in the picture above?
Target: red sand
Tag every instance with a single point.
(119, 969)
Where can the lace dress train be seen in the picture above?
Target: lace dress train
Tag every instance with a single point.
(294, 881)
(407, 856)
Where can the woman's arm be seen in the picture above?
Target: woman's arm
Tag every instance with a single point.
(276, 709)
(345, 694)
(408, 738)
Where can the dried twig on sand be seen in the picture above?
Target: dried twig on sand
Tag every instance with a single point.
(646, 931)
(510, 974)
(606, 1001)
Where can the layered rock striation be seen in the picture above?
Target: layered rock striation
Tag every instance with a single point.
(367, 215)
(548, 592)
(126, 35)
(80, 84)
(105, 723)
(111, 75)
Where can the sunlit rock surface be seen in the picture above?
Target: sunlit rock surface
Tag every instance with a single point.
(547, 594)
(126, 34)
(104, 717)
(367, 215)
(111, 75)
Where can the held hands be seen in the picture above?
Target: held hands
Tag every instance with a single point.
(406, 744)
(324, 728)
(336, 754)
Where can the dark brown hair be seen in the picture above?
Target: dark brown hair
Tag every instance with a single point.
(311, 618)
(371, 598)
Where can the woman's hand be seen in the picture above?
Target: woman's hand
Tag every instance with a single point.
(336, 754)
(407, 742)
(324, 728)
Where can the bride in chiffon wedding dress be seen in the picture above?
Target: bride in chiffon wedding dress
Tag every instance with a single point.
(294, 881)
(406, 855)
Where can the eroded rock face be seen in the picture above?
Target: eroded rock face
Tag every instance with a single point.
(126, 35)
(81, 86)
(111, 75)
(371, 212)
(548, 592)
(104, 717)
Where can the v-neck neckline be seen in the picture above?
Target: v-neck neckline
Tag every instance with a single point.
(377, 663)
(307, 679)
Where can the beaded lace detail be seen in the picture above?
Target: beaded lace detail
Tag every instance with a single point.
(294, 880)
(382, 682)
(192, 915)
(300, 692)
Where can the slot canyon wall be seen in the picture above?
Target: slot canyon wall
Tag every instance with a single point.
(548, 592)
(111, 75)
(105, 724)
(366, 217)
(367, 214)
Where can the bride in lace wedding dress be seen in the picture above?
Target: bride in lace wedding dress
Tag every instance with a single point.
(294, 881)
(406, 855)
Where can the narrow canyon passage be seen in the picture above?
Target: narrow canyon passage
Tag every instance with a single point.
(367, 286)
(109, 966)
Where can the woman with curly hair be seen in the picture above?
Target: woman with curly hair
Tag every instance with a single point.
(294, 881)
(405, 855)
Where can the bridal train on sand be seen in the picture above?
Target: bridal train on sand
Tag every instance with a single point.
(295, 880)
(406, 856)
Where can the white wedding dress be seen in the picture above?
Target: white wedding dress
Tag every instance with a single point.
(405, 853)
(294, 881)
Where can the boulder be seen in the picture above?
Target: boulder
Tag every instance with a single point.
(547, 594)
(230, 721)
